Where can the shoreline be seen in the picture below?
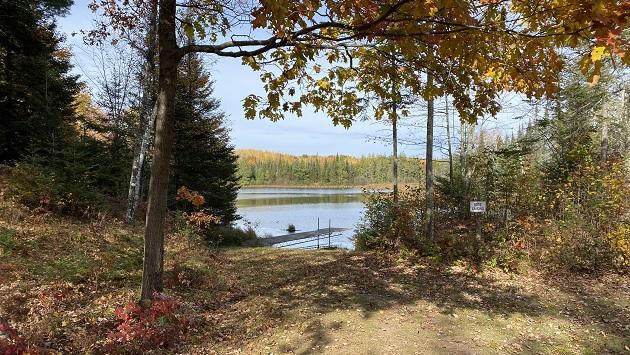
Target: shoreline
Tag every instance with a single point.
(331, 187)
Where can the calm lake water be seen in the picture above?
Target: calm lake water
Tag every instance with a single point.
(270, 210)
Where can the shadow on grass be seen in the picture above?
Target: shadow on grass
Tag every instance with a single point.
(590, 301)
(341, 280)
(329, 281)
(271, 285)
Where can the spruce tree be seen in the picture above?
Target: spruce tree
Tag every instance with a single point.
(36, 91)
(204, 160)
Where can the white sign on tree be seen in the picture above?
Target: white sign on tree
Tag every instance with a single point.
(478, 206)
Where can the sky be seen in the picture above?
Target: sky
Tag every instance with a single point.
(313, 133)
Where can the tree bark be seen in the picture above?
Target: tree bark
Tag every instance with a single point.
(448, 139)
(139, 160)
(153, 269)
(395, 152)
(147, 121)
(429, 163)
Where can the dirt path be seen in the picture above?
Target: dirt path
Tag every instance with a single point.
(336, 302)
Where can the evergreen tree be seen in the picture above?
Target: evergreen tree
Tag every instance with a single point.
(36, 92)
(204, 159)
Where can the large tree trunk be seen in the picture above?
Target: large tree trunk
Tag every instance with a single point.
(147, 120)
(153, 270)
(429, 163)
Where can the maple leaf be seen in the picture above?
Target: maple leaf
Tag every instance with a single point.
(597, 52)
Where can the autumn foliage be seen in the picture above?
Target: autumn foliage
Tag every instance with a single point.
(196, 199)
(154, 327)
(11, 343)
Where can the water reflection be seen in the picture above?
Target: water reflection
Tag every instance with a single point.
(271, 210)
(247, 201)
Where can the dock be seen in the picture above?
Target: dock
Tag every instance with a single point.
(323, 232)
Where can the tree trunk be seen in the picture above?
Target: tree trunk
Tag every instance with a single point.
(153, 270)
(395, 152)
(147, 121)
(448, 139)
(429, 163)
(604, 145)
(624, 115)
(139, 160)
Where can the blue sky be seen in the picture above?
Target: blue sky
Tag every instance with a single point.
(311, 134)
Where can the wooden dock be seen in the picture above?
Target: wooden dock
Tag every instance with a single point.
(301, 235)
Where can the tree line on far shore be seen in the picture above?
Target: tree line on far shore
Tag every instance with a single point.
(257, 167)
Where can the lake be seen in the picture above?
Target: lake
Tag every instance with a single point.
(270, 210)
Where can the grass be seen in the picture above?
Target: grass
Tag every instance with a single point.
(63, 279)
(7, 243)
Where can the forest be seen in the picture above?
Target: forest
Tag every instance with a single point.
(277, 169)
(507, 231)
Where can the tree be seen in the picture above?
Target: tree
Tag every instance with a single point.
(148, 110)
(429, 164)
(344, 30)
(449, 145)
(36, 90)
(204, 161)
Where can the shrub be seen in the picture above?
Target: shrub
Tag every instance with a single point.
(589, 229)
(11, 342)
(620, 241)
(37, 185)
(202, 225)
(231, 236)
(291, 228)
(391, 225)
(159, 326)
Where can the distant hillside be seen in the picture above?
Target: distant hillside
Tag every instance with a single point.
(258, 167)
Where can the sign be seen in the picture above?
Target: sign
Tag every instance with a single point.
(477, 206)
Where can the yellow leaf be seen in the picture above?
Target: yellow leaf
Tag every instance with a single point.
(597, 52)
(323, 84)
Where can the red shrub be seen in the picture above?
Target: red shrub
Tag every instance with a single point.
(159, 326)
(10, 342)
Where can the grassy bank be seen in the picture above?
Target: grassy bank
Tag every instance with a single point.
(61, 280)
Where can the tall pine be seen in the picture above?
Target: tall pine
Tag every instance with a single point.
(204, 160)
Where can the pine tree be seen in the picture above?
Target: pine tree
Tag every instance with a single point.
(204, 160)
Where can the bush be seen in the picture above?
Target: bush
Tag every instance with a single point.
(390, 225)
(620, 241)
(291, 228)
(142, 329)
(231, 236)
(591, 209)
(11, 342)
(204, 226)
(39, 186)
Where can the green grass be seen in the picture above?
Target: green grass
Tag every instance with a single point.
(7, 241)
(74, 268)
